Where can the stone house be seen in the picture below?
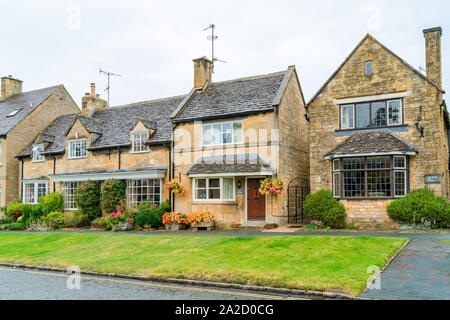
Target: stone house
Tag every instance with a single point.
(379, 128)
(22, 116)
(230, 135)
(130, 142)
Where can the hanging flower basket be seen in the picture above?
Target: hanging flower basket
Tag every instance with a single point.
(271, 185)
(175, 186)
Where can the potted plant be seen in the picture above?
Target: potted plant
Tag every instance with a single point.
(202, 219)
(175, 186)
(271, 185)
(175, 221)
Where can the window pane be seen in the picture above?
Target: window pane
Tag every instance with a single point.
(368, 68)
(227, 188)
(214, 194)
(217, 134)
(29, 193)
(207, 135)
(354, 184)
(400, 183)
(378, 114)
(214, 183)
(379, 184)
(200, 194)
(144, 190)
(347, 117)
(378, 163)
(336, 165)
(237, 131)
(363, 115)
(353, 163)
(395, 112)
(336, 185)
(41, 189)
(400, 162)
(200, 183)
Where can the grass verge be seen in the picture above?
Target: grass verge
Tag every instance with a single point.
(301, 262)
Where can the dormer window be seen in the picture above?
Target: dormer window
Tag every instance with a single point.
(369, 68)
(138, 142)
(38, 149)
(77, 149)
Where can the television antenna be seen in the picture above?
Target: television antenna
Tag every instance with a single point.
(422, 69)
(108, 74)
(212, 37)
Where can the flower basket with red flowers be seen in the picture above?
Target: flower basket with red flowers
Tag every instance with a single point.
(271, 185)
(175, 220)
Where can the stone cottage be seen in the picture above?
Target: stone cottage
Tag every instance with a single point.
(230, 135)
(379, 128)
(22, 116)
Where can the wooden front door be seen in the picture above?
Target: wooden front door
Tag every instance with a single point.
(256, 202)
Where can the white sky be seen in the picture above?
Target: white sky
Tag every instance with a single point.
(152, 43)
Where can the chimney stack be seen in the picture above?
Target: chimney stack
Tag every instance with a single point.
(10, 87)
(91, 103)
(433, 54)
(202, 72)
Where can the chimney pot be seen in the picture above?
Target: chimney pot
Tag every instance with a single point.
(93, 89)
(433, 54)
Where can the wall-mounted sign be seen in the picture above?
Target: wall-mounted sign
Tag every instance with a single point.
(432, 179)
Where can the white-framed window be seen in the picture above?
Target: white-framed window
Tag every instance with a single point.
(138, 142)
(32, 191)
(77, 149)
(143, 190)
(69, 189)
(372, 114)
(37, 152)
(214, 189)
(368, 68)
(222, 133)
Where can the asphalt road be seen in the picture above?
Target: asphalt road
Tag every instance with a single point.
(24, 284)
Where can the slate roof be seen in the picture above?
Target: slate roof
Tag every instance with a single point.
(27, 102)
(113, 125)
(371, 142)
(235, 97)
(230, 164)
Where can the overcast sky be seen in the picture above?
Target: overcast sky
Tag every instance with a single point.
(152, 43)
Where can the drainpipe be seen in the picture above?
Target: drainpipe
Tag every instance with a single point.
(173, 164)
(170, 173)
(21, 176)
(54, 172)
(119, 154)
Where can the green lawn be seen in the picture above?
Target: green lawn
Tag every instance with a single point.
(305, 262)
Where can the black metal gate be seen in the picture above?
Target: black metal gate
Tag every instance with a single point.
(295, 197)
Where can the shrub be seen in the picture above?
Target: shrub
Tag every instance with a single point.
(51, 202)
(111, 195)
(88, 199)
(55, 220)
(76, 219)
(6, 220)
(14, 226)
(18, 209)
(421, 206)
(117, 221)
(324, 207)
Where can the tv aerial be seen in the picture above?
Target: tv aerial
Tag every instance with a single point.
(109, 75)
(213, 37)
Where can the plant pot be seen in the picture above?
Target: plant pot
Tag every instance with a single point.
(207, 225)
(175, 226)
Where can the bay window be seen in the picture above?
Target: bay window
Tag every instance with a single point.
(220, 189)
(222, 133)
(370, 177)
(371, 114)
(32, 191)
(143, 190)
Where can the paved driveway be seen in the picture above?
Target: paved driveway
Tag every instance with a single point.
(422, 271)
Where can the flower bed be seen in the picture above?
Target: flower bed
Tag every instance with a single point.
(271, 185)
